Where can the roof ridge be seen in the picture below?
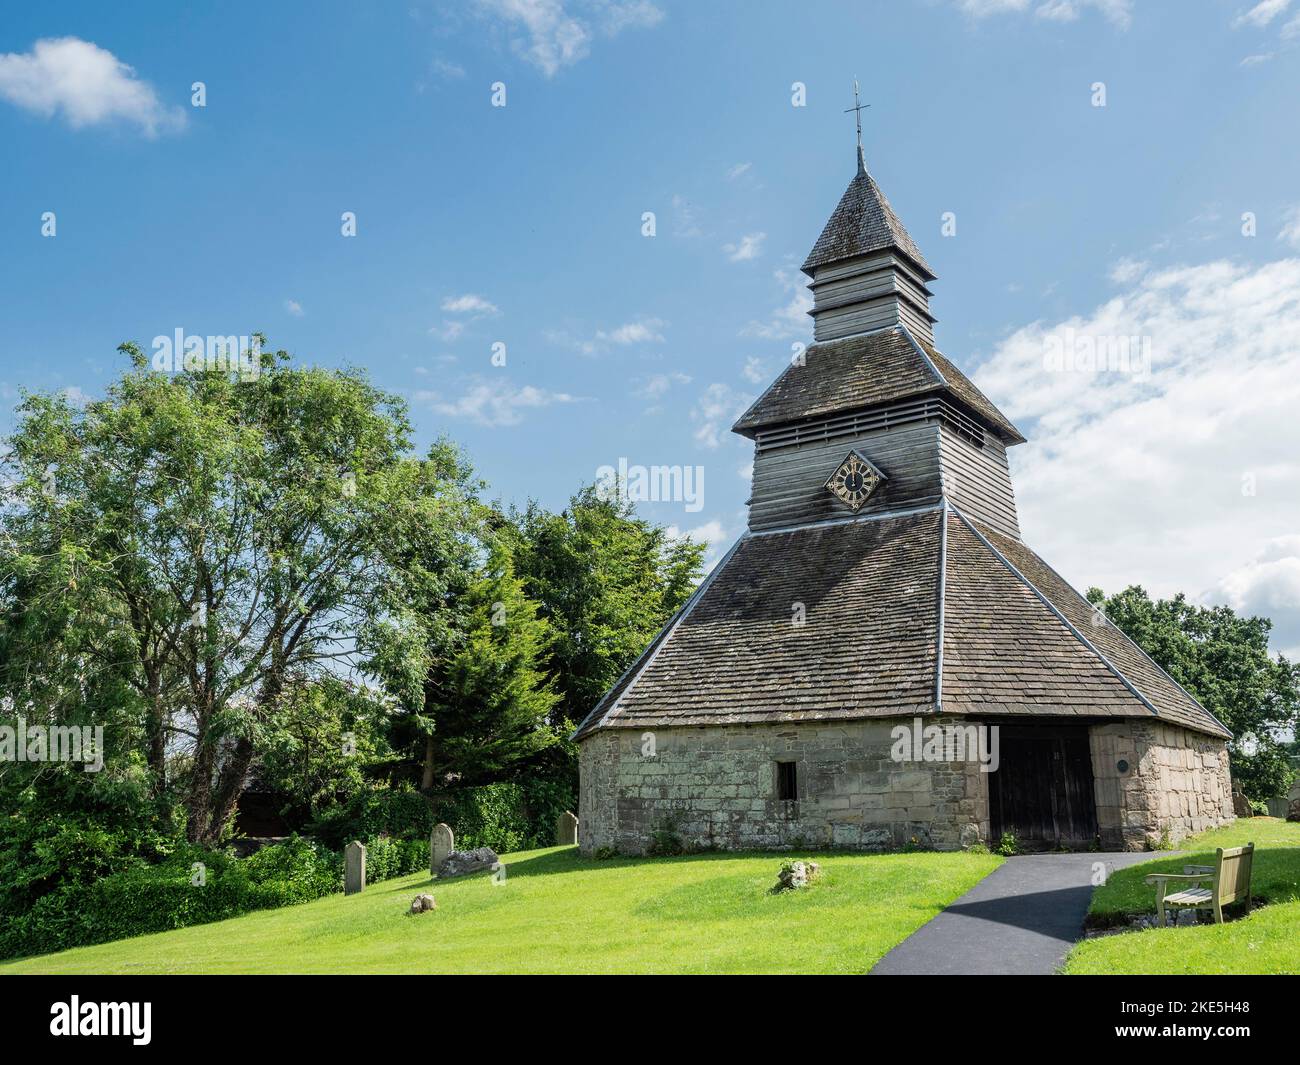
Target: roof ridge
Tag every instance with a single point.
(1138, 647)
(855, 519)
(656, 645)
(1069, 625)
(943, 593)
(925, 355)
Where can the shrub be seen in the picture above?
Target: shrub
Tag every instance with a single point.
(192, 886)
(1008, 845)
(665, 840)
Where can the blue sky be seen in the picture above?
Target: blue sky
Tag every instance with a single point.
(523, 225)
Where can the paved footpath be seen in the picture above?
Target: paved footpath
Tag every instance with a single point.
(1022, 918)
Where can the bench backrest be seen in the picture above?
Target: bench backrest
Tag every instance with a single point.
(1232, 872)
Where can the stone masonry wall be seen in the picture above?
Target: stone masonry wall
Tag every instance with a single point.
(1176, 783)
(717, 787)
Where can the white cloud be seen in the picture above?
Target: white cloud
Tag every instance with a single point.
(716, 411)
(471, 305)
(449, 331)
(494, 404)
(738, 170)
(748, 247)
(1255, 60)
(551, 34)
(1127, 270)
(791, 319)
(641, 331)
(294, 308)
(1118, 12)
(445, 68)
(1290, 231)
(1292, 29)
(1261, 14)
(85, 84)
(1269, 586)
(755, 370)
(76, 396)
(656, 386)
(1180, 479)
(468, 304)
(711, 532)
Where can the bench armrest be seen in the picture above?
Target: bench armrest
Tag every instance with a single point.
(1156, 878)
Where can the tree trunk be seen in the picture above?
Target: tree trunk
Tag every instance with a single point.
(426, 781)
(198, 800)
(234, 774)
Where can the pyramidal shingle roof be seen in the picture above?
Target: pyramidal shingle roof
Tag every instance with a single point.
(917, 612)
(861, 224)
(868, 370)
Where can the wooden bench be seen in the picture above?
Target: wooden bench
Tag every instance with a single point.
(1228, 877)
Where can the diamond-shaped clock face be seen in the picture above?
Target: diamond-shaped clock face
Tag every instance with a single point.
(854, 482)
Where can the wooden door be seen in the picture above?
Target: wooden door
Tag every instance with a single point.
(1042, 790)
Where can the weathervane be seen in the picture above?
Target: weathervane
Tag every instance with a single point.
(857, 108)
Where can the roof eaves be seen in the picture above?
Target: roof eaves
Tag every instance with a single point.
(943, 586)
(665, 634)
(1133, 689)
(1137, 646)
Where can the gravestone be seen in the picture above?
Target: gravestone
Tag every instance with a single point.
(1241, 805)
(354, 868)
(461, 863)
(441, 843)
(566, 830)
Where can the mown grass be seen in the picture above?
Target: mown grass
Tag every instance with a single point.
(1265, 941)
(559, 913)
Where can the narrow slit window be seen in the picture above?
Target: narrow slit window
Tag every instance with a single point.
(787, 781)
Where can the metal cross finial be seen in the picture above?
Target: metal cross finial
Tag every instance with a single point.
(857, 108)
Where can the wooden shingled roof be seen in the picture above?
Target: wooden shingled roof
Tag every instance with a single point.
(862, 223)
(864, 371)
(1007, 636)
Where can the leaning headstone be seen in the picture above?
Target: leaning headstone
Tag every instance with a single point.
(566, 830)
(1241, 805)
(441, 843)
(461, 863)
(354, 868)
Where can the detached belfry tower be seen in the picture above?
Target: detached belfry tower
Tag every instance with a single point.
(882, 580)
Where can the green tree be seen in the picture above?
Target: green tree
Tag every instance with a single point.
(1224, 661)
(607, 581)
(193, 542)
(490, 700)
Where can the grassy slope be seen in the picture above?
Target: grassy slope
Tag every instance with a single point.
(1267, 941)
(560, 913)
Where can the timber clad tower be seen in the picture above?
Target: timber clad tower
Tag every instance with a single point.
(882, 579)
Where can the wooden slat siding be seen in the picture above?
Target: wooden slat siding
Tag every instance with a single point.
(869, 293)
(789, 483)
(979, 481)
(865, 263)
(932, 408)
(865, 316)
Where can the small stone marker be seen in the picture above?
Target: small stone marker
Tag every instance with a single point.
(354, 868)
(441, 843)
(566, 830)
(423, 904)
(461, 863)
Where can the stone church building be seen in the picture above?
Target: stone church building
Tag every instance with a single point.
(880, 590)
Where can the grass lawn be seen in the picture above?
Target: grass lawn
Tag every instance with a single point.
(558, 913)
(1267, 941)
